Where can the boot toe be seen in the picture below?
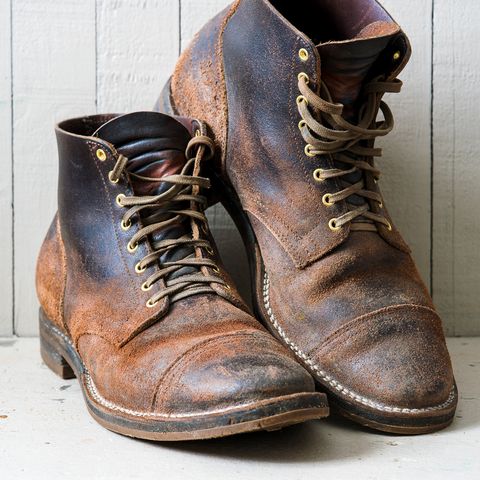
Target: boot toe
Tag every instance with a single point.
(394, 363)
(228, 372)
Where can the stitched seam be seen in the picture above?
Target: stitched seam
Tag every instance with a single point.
(61, 303)
(331, 382)
(122, 341)
(112, 217)
(136, 413)
(359, 324)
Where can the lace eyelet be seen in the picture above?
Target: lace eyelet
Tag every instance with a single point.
(151, 304)
(227, 286)
(326, 200)
(380, 205)
(101, 155)
(317, 175)
(209, 250)
(302, 99)
(388, 226)
(132, 248)
(216, 269)
(305, 76)
(397, 55)
(139, 269)
(145, 287)
(302, 124)
(125, 225)
(303, 54)
(119, 199)
(110, 173)
(308, 150)
(332, 225)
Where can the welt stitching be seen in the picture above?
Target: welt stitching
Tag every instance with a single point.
(331, 382)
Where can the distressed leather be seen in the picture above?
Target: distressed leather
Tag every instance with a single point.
(200, 353)
(351, 304)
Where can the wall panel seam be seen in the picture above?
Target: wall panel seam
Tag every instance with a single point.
(12, 163)
(432, 95)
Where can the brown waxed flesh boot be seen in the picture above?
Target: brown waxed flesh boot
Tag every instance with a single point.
(292, 93)
(135, 302)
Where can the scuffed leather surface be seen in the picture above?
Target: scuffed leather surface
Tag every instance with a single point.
(320, 281)
(200, 353)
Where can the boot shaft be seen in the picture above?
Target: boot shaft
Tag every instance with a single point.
(108, 280)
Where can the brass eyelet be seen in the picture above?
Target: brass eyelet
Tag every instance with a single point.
(389, 226)
(151, 304)
(209, 250)
(139, 269)
(125, 225)
(396, 55)
(302, 124)
(326, 200)
(145, 287)
(380, 205)
(305, 76)
(132, 248)
(301, 99)
(303, 54)
(119, 198)
(227, 286)
(216, 269)
(308, 150)
(317, 175)
(333, 225)
(197, 133)
(110, 173)
(101, 155)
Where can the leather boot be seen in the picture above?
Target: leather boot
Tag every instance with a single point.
(135, 302)
(292, 91)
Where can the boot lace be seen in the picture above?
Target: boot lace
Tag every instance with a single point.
(158, 212)
(351, 146)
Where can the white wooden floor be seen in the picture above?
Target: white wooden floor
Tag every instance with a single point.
(46, 433)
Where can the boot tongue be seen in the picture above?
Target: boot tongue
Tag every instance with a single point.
(153, 143)
(346, 64)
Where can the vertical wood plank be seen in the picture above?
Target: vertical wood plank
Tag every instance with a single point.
(456, 221)
(406, 164)
(6, 260)
(137, 46)
(194, 14)
(54, 78)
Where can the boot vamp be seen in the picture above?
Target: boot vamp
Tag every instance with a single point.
(204, 355)
(363, 316)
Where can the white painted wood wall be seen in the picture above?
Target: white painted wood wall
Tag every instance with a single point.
(60, 58)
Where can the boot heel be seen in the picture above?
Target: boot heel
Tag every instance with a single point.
(52, 358)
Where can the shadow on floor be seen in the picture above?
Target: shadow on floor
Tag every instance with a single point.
(312, 442)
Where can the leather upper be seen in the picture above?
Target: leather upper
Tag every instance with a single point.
(199, 353)
(320, 281)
